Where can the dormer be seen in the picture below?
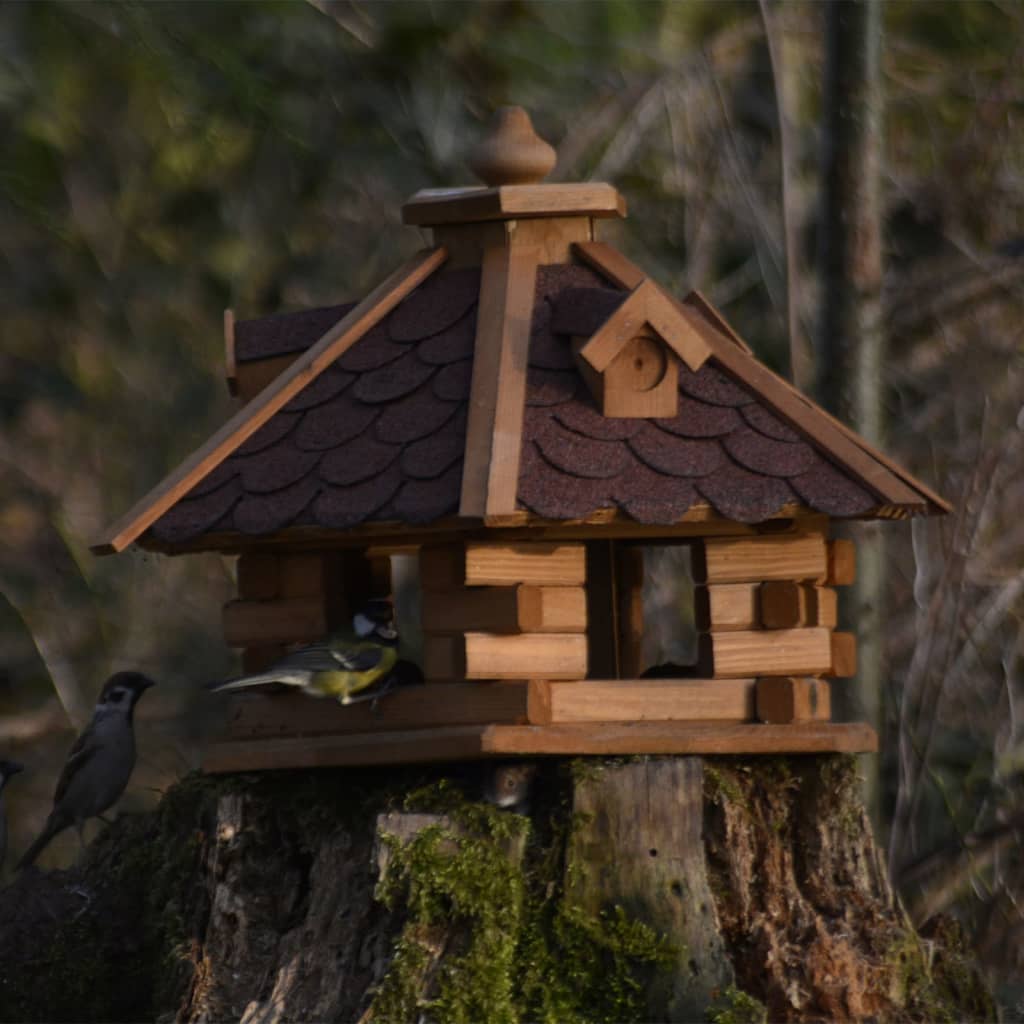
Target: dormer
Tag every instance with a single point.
(629, 352)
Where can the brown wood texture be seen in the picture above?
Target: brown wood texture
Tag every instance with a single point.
(869, 465)
(777, 652)
(252, 376)
(303, 575)
(679, 738)
(458, 206)
(637, 842)
(629, 581)
(842, 563)
(640, 700)
(230, 363)
(542, 564)
(255, 715)
(303, 371)
(468, 742)
(259, 575)
(782, 699)
(646, 306)
(261, 656)
(554, 237)
(844, 656)
(787, 605)
(640, 382)
(514, 609)
(278, 621)
(493, 656)
(490, 474)
(602, 610)
(723, 607)
(764, 558)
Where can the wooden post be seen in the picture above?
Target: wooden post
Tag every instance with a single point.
(637, 843)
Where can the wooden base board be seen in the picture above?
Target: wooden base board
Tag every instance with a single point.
(473, 742)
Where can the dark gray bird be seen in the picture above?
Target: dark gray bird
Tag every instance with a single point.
(99, 764)
(7, 769)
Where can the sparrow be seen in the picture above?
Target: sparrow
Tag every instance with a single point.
(99, 764)
(7, 769)
(338, 667)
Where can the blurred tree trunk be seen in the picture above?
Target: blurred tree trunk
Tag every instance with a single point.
(655, 889)
(851, 340)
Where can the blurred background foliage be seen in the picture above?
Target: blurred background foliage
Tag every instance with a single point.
(165, 160)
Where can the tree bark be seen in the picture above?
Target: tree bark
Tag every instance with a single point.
(400, 896)
(851, 341)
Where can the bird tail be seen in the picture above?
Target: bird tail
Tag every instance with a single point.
(50, 829)
(259, 679)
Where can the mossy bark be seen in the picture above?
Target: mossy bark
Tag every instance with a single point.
(256, 898)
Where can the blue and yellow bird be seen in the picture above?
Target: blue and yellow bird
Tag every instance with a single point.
(340, 666)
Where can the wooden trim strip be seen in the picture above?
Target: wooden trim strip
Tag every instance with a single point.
(494, 432)
(306, 368)
(872, 467)
(230, 360)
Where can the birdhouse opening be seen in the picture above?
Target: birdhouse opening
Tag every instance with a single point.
(645, 615)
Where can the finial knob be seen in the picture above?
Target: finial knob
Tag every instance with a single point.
(512, 153)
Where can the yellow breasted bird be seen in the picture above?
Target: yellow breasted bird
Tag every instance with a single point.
(338, 667)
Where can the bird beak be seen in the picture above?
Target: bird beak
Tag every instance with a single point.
(144, 684)
(13, 767)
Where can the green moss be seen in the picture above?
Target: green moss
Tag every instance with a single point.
(938, 984)
(721, 785)
(523, 951)
(736, 1007)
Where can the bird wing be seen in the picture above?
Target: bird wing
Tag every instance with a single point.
(293, 669)
(359, 658)
(83, 750)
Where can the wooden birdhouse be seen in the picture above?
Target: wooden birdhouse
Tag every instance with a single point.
(621, 518)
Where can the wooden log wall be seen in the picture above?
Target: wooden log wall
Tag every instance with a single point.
(296, 598)
(767, 608)
(504, 611)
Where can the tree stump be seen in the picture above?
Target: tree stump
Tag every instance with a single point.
(635, 889)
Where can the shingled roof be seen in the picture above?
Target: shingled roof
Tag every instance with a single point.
(378, 435)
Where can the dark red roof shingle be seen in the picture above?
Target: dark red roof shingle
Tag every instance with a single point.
(380, 435)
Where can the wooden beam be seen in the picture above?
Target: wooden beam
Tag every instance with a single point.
(490, 656)
(490, 474)
(230, 362)
(842, 563)
(602, 609)
(779, 652)
(787, 605)
(649, 700)
(764, 558)
(678, 738)
(306, 368)
(255, 715)
(497, 565)
(782, 699)
(470, 742)
(516, 609)
(282, 621)
(629, 596)
(844, 656)
(256, 659)
(460, 206)
(723, 607)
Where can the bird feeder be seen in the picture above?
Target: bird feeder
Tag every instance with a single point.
(528, 412)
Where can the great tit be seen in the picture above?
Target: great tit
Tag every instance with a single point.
(99, 764)
(338, 667)
(7, 769)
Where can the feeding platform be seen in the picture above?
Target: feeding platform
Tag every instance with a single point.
(617, 523)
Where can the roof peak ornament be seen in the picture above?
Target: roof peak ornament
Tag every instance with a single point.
(512, 153)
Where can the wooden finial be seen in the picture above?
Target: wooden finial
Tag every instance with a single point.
(512, 153)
